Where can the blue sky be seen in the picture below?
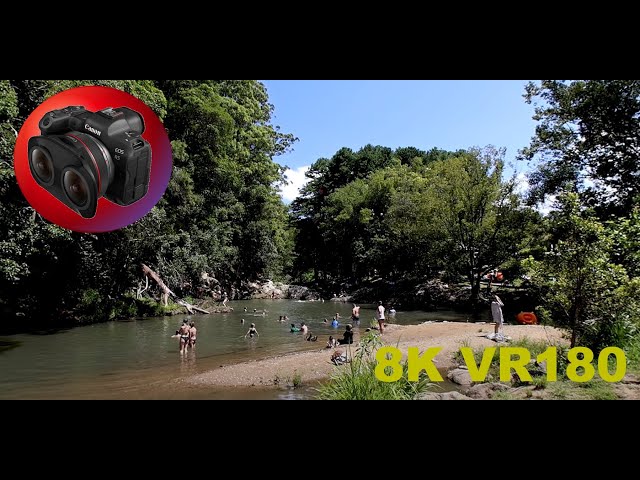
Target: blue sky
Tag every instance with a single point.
(327, 115)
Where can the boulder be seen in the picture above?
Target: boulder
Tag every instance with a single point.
(460, 376)
(298, 292)
(484, 391)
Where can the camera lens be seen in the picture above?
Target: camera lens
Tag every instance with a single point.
(101, 164)
(76, 188)
(42, 164)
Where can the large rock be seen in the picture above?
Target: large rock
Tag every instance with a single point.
(484, 391)
(443, 396)
(298, 292)
(460, 376)
(269, 289)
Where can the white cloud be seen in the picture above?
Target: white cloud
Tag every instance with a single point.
(296, 180)
(522, 183)
(548, 205)
(522, 187)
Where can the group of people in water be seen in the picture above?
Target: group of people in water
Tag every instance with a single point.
(187, 332)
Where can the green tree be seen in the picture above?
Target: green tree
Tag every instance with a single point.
(625, 235)
(587, 136)
(476, 218)
(221, 214)
(581, 289)
(335, 255)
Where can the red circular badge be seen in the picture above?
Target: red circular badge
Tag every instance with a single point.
(93, 159)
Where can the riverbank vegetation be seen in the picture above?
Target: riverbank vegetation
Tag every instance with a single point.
(398, 224)
(357, 379)
(539, 387)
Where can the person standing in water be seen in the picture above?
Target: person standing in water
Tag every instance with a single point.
(184, 335)
(380, 317)
(355, 314)
(192, 335)
(252, 331)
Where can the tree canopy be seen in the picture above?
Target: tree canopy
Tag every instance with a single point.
(587, 137)
(221, 214)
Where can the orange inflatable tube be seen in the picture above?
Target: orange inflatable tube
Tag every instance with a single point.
(527, 318)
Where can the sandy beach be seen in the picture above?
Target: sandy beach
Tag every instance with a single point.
(314, 366)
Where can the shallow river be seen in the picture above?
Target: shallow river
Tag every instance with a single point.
(139, 359)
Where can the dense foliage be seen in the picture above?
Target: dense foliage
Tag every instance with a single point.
(586, 150)
(373, 216)
(581, 288)
(221, 214)
(382, 214)
(587, 136)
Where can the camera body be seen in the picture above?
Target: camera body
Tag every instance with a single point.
(83, 155)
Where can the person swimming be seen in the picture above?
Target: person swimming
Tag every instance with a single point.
(294, 328)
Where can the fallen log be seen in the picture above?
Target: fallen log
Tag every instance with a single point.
(166, 292)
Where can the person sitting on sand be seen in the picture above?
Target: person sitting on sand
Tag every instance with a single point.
(338, 357)
(252, 331)
(347, 336)
(332, 343)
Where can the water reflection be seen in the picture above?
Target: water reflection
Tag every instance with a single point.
(188, 362)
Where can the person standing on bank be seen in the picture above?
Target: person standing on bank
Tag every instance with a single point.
(496, 313)
(380, 317)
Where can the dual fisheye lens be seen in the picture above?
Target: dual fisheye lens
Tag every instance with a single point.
(75, 186)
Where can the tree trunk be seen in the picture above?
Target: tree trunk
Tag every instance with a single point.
(165, 290)
(475, 296)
